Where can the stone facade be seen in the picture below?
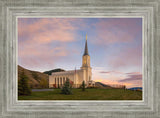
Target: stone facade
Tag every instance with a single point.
(76, 77)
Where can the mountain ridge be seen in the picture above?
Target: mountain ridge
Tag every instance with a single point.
(49, 72)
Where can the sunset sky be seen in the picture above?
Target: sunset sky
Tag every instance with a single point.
(114, 44)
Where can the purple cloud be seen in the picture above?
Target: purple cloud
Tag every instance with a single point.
(110, 72)
(136, 77)
(117, 30)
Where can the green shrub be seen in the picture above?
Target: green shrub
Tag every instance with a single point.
(23, 87)
(83, 86)
(67, 88)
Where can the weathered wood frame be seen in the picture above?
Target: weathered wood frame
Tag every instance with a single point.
(149, 10)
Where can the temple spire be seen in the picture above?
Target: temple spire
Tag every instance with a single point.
(86, 36)
(86, 48)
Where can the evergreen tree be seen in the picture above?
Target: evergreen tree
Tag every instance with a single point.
(83, 86)
(23, 87)
(67, 88)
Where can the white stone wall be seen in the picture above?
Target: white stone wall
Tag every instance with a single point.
(58, 79)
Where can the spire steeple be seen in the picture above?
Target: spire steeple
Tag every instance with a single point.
(86, 48)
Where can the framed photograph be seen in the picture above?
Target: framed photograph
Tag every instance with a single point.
(80, 59)
(58, 44)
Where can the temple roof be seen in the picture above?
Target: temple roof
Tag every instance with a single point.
(86, 48)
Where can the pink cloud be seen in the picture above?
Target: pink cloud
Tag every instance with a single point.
(116, 31)
(46, 30)
(34, 38)
(34, 58)
(133, 73)
(132, 78)
(110, 72)
(126, 58)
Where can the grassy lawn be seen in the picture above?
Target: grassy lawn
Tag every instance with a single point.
(89, 94)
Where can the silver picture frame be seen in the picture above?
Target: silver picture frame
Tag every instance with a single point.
(11, 107)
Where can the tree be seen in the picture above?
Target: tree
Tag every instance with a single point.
(83, 86)
(23, 87)
(43, 83)
(67, 88)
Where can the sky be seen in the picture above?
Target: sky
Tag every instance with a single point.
(114, 45)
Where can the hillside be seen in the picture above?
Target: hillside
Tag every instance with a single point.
(103, 86)
(35, 79)
(136, 88)
(55, 70)
(88, 94)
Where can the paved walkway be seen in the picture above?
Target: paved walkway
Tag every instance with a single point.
(41, 90)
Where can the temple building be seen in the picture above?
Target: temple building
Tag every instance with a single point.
(76, 77)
